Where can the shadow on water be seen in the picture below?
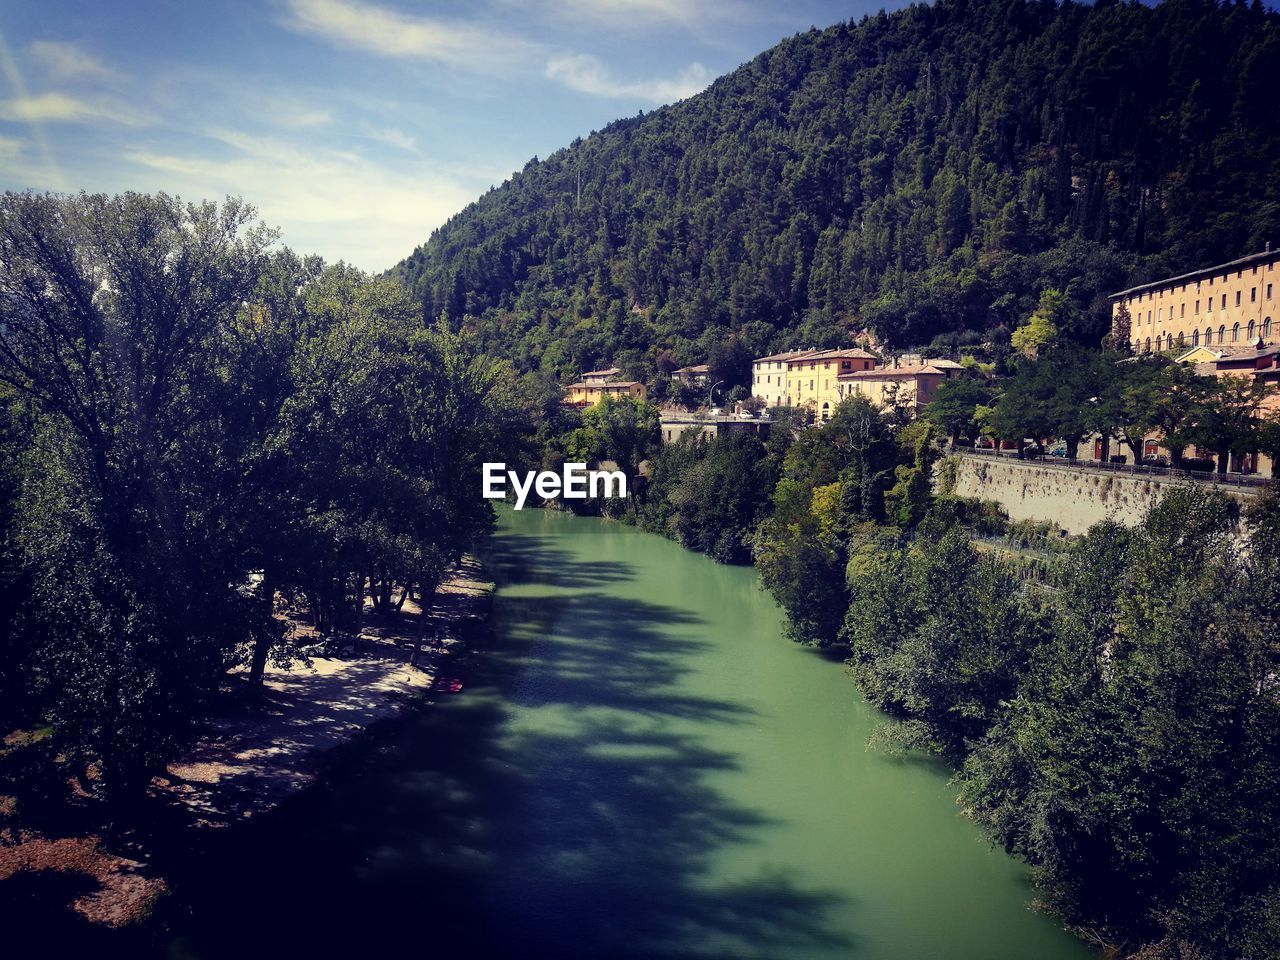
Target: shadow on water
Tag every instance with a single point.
(558, 807)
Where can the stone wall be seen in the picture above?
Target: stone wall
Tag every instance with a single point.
(1073, 497)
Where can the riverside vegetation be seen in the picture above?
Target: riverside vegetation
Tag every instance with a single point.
(1111, 709)
(182, 409)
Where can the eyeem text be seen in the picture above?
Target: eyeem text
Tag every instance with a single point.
(574, 482)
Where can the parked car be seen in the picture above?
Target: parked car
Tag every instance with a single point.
(1155, 460)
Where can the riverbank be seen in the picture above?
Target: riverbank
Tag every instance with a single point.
(253, 754)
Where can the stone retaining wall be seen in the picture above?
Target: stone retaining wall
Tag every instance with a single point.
(1073, 497)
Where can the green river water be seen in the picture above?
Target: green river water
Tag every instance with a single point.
(639, 765)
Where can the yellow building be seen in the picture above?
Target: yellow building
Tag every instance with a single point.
(587, 393)
(1231, 304)
(769, 377)
(912, 387)
(807, 378)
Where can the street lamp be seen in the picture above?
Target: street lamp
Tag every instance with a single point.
(711, 394)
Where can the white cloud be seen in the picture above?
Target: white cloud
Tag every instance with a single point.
(684, 12)
(10, 148)
(336, 203)
(66, 61)
(62, 108)
(393, 137)
(390, 33)
(587, 74)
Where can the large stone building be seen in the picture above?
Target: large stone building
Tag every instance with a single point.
(806, 378)
(1231, 304)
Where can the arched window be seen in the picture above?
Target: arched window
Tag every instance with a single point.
(1159, 342)
(1222, 333)
(1208, 336)
(1195, 338)
(1235, 333)
(826, 411)
(1266, 329)
(1182, 339)
(1250, 334)
(1148, 344)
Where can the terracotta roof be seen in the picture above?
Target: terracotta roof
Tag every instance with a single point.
(894, 373)
(946, 364)
(696, 368)
(601, 384)
(602, 373)
(833, 354)
(789, 355)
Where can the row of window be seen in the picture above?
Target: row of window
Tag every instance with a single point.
(1163, 343)
(1239, 276)
(1253, 298)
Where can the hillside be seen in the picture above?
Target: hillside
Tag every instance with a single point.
(918, 174)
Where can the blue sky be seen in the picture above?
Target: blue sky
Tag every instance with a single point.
(355, 126)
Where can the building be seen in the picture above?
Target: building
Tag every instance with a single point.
(1232, 304)
(676, 424)
(769, 377)
(911, 386)
(806, 378)
(696, 375)
(587, 393)
(600, 376)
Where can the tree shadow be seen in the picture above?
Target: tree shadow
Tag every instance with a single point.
(563, 805)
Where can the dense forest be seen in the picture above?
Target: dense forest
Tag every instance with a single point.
(922, 175)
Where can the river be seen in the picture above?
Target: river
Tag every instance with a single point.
(637, 766)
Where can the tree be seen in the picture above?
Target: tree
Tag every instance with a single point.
(1042, 327)
(1224, 416)
(954, 404)
(117, 314)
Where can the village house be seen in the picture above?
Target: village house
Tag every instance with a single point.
(911, 387)
(807, 378)
(696, 375)
(595, 385)
(1229, 305)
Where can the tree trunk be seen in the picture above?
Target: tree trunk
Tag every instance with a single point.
(1224, 458)
(262, 644)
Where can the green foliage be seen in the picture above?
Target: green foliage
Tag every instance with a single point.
(1052, 314)
(1132, 768)
(181, 411)
(922, 173)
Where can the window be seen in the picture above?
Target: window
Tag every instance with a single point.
(1195, 338)
(1148, 344)
(1224, 301)
(1268, 291)
(1181, 339)
(1253, 293)
(1148, 316)
(1266, 329)
(1160, 314)
(1250, 334)
(1237, 298)
(1182, 311)
(1235, 333)
(1208, 336)
(1197, 306)
(1222, 334)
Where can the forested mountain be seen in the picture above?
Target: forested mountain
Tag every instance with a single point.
(919, 174)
